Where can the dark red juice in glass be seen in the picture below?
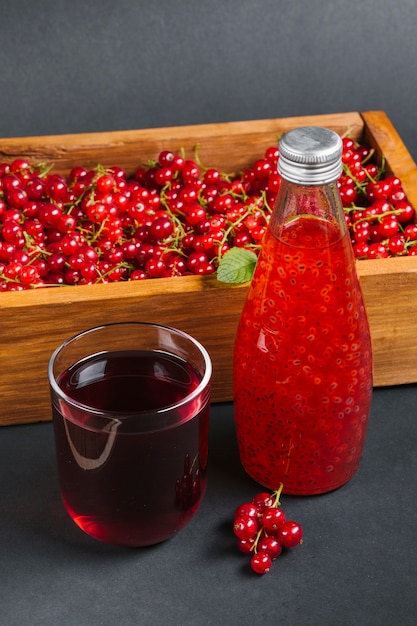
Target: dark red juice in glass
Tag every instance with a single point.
(123, 480)
(303, 364)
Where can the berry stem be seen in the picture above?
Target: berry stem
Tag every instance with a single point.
(277, 495)
(259, 534)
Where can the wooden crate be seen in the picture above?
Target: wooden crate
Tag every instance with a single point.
(34, 323)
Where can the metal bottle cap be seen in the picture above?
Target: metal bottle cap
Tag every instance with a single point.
(310, 155)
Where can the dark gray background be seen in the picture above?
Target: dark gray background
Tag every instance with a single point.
(84, 66)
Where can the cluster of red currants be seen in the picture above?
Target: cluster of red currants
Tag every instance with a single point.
(171, 217)
(262, 530)
(380, 218)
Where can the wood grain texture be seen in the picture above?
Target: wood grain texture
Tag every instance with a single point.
(34, 326)
(230, 146)
(34, 323)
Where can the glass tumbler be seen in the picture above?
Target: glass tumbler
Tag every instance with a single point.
(130, 406)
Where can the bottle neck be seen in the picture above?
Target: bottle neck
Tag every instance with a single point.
(319, 201)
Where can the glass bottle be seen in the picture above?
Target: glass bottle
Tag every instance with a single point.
(303, 356)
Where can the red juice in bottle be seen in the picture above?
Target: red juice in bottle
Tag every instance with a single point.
(303, 356)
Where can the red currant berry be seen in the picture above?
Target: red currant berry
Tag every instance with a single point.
(29, 275)
(263, 500)
(161, 228)
(41, 266)
(245, 527)
(349, 145)
(378, 190)
(348, 195)
(388, 226)
(138, 275)
(155, 267)
(396, 244)
(56, 262)
(404, 211)
(393, 181)
(10, 181)
(204, 269)
(271, 546)
(290, 534)
(262, 168)
(273, 518)
(212, 176)
(272, 154)
(246, 545)
(20, 165)
(247, 509)
(56, 187)
(50, 215)
(398, 195)
(163, 175)
(222, 203)
(118, 173)
(105, 183)
(377, 251)
(360, 250)
(410, 232)
(361, 231)
(166, 158)
(261, 563)
(17, 198)
(190, 171)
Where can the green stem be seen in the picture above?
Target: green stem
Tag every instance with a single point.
(277, 495)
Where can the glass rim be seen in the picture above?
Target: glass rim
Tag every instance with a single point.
(203, 384)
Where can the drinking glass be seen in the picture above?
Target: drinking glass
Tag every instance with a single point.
(130, 406)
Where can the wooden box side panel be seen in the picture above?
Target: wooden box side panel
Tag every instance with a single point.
(390, 294)
(230, 146)
(29, 335)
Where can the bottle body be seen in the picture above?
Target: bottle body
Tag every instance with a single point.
(303, 356)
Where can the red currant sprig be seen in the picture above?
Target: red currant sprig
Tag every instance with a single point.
(173, 217)
(262, 530)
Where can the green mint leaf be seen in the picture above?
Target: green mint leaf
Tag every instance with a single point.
(236, 266)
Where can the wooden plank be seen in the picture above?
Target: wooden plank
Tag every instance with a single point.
(30, 333)
(390, 292)
(230, 146)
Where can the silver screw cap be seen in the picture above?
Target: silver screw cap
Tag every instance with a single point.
(310, 155)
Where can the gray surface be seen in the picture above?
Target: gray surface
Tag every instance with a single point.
(356, 567)
(90, 66)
